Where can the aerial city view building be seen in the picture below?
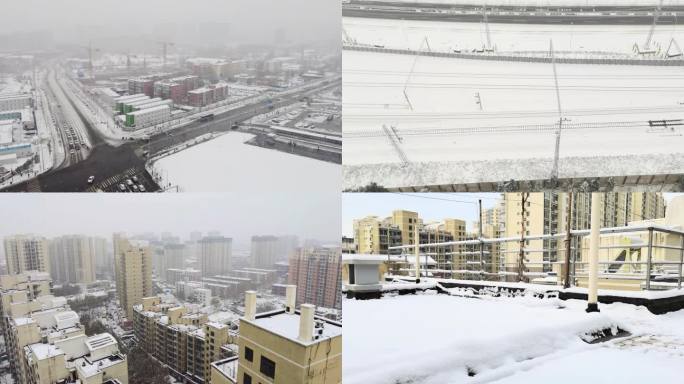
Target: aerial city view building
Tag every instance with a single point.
(525, 288)
(137, 100)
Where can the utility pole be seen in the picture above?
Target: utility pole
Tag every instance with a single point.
(480, 232)
(592, 296)
(656, 14)
(521, 255)
(568, 242)
(417, 253)
(486, 23)
(556, 153)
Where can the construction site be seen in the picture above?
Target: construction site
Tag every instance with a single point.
(474, 105)
(525, 308)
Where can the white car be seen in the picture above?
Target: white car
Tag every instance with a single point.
(91, 179)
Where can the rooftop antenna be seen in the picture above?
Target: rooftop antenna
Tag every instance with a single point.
(554, 172)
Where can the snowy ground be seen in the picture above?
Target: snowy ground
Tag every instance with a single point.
(450, 111)
(226, 164)
(449, 36)
(430, 338)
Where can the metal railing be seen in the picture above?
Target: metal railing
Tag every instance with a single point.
(647, 257)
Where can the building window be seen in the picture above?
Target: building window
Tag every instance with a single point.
(352, 277)
(267, 367)
(249, 354)
(247, 379)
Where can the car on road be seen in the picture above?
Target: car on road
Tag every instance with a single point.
(135, 179)
(129, 182)
(134, 188)
(91, 179)
(122, 188)
(142, 188)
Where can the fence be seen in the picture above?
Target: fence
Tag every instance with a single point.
(520, 57)
(633, 257)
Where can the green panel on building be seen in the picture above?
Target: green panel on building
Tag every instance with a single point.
(130, 120)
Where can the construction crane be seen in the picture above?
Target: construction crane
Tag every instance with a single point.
(165, 45)
(656, 14)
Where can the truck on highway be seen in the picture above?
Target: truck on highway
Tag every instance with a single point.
(207, 117)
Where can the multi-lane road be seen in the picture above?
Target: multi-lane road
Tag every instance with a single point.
(588, 15)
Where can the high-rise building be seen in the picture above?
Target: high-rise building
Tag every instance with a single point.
(133, 266)
(214, 255)
(26, 253)
(264, 251)
(172, 258)
(317, 274)
(72, 259)
(104, 262)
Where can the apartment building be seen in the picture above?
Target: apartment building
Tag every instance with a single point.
(26, 253)
(284, 346)
(375, 236)
(214, 255)
(264, 251)
(187, 342)
(133, 267)
(317, 272)
(172, 256)
(624, 255)
(45, 341)
(72, 259)
(547, 213)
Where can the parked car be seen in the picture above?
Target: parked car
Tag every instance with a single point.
(91, 179)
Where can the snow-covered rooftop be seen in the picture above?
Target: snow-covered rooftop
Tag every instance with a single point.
(502, 338)
(287, 326)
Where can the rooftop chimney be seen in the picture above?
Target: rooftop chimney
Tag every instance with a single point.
(306, 323)
(290, 298)
(250, 305)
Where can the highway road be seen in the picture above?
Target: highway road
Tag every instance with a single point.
(106, 162)
(511, 15)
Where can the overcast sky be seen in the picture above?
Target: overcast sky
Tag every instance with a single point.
(314, 216)
(292, 20)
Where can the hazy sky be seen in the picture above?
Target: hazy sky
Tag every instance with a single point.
(315, 216)
(295, 19)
